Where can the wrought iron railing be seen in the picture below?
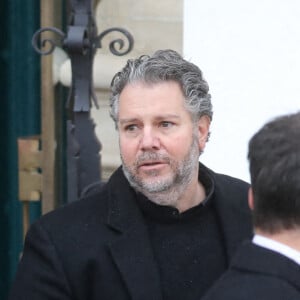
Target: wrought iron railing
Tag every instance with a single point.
(81, 42)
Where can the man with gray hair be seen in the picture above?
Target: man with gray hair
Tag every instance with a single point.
(269, 266)
(164, 226)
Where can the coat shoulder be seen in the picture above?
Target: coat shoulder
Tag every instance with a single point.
(86, 212)
(236, 285)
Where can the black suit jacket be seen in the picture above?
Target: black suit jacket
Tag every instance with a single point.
(98, 247)
(257, 273)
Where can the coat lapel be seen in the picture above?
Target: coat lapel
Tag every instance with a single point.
(132, 250)
(233, 212)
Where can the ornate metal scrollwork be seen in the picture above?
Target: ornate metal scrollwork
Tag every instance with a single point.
(113, 44)
(53, 43)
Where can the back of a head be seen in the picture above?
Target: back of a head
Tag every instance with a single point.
(164, 65)
(274, 160)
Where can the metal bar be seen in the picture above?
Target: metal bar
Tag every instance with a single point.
(82, 141)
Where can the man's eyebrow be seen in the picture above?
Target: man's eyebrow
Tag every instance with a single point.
(159, 117)
(128, 120)
(167, 116)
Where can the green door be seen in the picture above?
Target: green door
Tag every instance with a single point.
(19, 116)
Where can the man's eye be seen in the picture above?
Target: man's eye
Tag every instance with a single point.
(131, 127)
(166, 124)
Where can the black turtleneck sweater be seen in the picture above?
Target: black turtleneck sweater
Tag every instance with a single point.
(188, 246)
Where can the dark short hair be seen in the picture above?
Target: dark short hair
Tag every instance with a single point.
(274, 161)
(164, 65)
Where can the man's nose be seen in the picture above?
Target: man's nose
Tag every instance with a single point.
(149, 139)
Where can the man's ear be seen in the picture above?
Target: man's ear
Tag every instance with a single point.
(203, 130)
(250, 198)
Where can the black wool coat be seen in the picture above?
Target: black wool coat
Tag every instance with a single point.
(98, 247)
(258, 273)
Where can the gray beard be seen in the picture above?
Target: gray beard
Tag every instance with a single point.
(169, 190)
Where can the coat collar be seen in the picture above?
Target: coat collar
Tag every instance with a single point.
(132, 250)
(230, 200)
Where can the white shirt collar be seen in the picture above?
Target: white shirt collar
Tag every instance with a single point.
(277, 247)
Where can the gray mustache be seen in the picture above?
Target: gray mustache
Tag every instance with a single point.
(152, 156)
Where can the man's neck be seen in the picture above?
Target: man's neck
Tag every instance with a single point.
(193, 196)
(290, 238)
(182, 197)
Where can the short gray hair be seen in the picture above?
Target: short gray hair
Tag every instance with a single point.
(164, 65)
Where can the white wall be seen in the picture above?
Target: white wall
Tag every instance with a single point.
(249, 52)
